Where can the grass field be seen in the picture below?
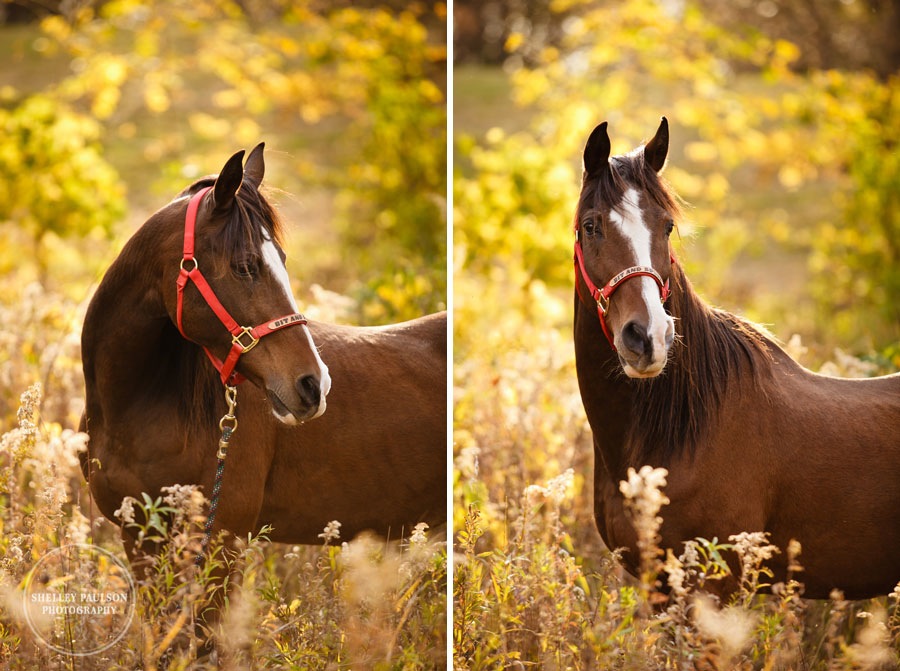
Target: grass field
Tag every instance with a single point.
(534, 587)
(359, 604)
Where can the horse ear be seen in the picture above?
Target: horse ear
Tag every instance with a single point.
(657, 149)
(596, 151)
(229, 181)
(255, 167)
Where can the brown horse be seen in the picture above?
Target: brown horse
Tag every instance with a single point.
(752, 441)
(375, 460)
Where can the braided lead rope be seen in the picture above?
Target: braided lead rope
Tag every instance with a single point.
(228, 425)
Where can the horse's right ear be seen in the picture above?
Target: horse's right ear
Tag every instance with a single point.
(229, 181)
(596, 151)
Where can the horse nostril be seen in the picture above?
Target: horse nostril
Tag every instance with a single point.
(308, 388)
(635, 338)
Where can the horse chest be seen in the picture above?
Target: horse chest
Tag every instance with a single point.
(145, 460)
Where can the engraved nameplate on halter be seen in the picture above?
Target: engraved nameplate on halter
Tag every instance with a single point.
(286, 321)
(634, 270)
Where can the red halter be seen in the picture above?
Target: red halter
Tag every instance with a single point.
(243, 338)
(603, 296)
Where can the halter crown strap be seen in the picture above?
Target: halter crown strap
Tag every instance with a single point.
(602, 296)
(243, 338)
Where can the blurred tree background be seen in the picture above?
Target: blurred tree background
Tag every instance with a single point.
(108, 109)
(785, 122)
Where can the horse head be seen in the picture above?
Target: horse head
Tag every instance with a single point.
(624, 218)
(233, 288)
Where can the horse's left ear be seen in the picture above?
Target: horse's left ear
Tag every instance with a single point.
(255, 168)
(229, 181)
(596, 151)
(656, 150)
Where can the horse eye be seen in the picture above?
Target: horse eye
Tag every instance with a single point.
(670, 226)
(245, 269)
(589, 226)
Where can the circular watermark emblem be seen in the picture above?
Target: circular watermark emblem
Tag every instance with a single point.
(79, 599)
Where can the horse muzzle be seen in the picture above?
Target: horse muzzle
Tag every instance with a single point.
(304, 401)
(643, 354)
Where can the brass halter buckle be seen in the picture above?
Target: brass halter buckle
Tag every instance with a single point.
(603, 303)
(245, 331)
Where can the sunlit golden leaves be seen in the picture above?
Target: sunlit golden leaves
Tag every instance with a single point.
(77, 190)
(752, 139)
(177, 78)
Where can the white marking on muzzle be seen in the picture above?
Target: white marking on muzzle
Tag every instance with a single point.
(273, 261)
(630, 223)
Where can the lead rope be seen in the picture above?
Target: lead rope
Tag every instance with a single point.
(228, 425)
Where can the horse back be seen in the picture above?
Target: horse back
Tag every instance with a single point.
(411, 352)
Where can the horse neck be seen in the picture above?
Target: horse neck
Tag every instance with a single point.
(131, 350)
(605, 390)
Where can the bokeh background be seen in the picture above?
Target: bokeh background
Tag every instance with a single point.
(109, 109)
(784, 121)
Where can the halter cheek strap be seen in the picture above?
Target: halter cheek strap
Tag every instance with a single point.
(602, 296)
(243, 338)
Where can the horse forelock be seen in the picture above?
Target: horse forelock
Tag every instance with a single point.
(248, 224)
(627, 171)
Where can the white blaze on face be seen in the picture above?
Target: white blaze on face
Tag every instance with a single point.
(273, 261)
(630, 223)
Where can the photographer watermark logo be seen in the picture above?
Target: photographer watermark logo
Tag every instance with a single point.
(79, 599)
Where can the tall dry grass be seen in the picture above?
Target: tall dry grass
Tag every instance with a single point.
(362, 604)
(534, 587)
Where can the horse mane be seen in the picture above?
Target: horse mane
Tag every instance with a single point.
(714, 354)
(629, 170)
(241, 238)
(201, 406)
(715, 350)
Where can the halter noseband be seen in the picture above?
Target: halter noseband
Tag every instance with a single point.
(243, 338)
(603, 296)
